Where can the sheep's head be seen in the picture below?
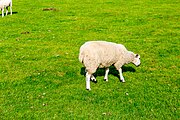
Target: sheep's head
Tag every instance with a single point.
(136, 61)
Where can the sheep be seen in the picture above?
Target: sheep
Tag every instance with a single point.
(4, 4)
(102, 54)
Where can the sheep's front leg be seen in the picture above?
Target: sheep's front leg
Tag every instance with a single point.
(121, 76)
(106, 74)
(88, 77)
(11, 8)
(2, 12)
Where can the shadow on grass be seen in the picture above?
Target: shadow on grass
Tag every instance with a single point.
(112, 71)
(9, 13)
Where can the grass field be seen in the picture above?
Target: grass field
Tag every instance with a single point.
(41, 77)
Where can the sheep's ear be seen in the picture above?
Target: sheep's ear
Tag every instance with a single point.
(131, 55)
(137, 55)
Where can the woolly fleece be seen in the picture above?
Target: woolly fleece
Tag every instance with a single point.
(102, 54)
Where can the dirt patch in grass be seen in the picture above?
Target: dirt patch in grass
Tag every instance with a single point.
(49, 9)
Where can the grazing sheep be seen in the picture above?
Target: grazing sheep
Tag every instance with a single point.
(4, 4)
(102, 54)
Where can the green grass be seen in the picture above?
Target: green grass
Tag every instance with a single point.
(41, 77)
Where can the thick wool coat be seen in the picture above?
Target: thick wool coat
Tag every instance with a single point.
(102, 54)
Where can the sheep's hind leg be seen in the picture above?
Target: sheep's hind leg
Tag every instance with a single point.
(6, 11)
(88, 77)
(93, 79)
(121, 76)
(106, 74)
(2, 12)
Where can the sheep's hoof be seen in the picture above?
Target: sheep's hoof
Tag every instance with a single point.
(89, 89)
(94, 80)
(122, 81)
(106, 80)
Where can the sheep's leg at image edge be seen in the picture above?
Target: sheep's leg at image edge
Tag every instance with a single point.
(88, 77)
(11, 9)
(2, 12)
(121, 76)
(106, 74)
(6, 11)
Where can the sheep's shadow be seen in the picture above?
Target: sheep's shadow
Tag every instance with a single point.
(13, 13)
(112, 71)
(9, 13)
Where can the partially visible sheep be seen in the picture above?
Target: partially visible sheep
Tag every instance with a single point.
(102, 54)
(4, 4)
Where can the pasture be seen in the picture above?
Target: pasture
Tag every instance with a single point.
(41, 77)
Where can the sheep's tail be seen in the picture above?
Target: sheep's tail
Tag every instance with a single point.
(81, 57)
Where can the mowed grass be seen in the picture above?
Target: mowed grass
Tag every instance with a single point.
(41, 77)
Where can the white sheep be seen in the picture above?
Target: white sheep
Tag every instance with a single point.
(102, 54)
(4, 4)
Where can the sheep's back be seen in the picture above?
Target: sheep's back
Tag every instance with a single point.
(105, 53)
(5, 2)
(1, 5)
